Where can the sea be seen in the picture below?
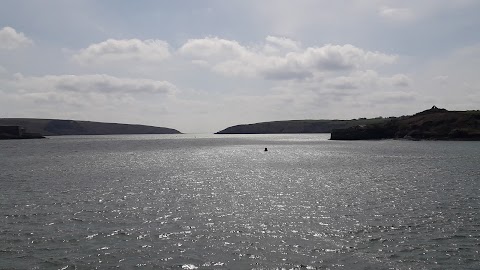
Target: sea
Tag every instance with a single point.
(200, 201)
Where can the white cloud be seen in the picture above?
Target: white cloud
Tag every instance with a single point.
(92, 97)
(11, 39)
(231, 58)
(111, 84)
(361, 93)
(400, 80)
(98, 83)
(332, 57)
(356, 83)
(283, 42)
(287, 78)
(396, 14)
(213, 48)
(114, 50)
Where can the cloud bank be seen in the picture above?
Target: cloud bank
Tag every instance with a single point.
(99, 83)
(279, 58)
(117, 50)
(296, 78)
(11, 39)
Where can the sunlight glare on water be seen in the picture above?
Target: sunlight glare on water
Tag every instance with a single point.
(222, 202)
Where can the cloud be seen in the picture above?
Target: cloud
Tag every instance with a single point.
(392, 97)
(282, 42)
(280, 73)
(396, 14)
(109, 84)
(355, 83)
(362, 93)
(94, 97)
(92, 83)
(441, 79)
(400, 80)
(288, 61)
(332, 57)
(3, 71)
(11, 39)
(214, 48)
(114, 50)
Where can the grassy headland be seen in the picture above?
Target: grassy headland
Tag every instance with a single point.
(52, 127)
(298, 126)
(432, 124)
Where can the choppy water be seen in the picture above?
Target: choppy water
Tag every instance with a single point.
(221, 202)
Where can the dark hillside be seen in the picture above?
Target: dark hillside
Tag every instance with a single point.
(298, 126)
(432, 124)
(51, 127)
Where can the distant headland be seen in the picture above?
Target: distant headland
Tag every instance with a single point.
(298, 126)
(15, 128)
(431, 124)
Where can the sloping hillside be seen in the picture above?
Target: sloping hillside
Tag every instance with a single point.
(298, 126)
(51, 127)
(433, 124)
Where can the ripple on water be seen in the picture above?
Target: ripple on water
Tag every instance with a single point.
(223, 203)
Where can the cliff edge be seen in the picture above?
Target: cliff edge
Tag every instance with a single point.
(17, 132)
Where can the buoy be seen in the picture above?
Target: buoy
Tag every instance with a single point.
(266, 149)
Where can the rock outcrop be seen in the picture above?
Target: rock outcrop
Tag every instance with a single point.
(17, 132)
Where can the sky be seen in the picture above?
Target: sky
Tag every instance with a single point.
(202, 66)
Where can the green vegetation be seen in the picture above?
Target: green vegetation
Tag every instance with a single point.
(298, 126)
(433, 124)
(52, 127)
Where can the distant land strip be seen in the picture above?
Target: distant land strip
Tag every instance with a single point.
(298, 126)
(55, 127)
(431, 124)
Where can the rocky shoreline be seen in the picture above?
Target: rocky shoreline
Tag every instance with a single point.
(24, 136)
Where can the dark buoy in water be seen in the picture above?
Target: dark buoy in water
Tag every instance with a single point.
(266, 149)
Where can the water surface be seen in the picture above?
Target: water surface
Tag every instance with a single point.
(221, 202)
